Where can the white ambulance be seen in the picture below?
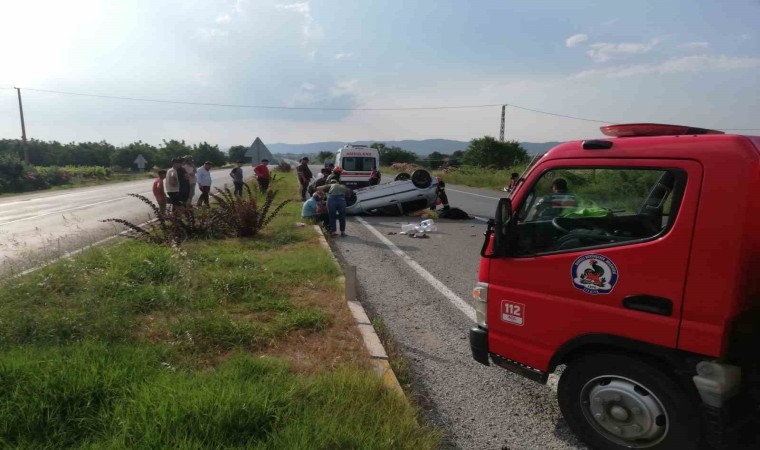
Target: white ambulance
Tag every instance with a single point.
(357, 162)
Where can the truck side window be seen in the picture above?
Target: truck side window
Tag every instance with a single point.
(569, 209)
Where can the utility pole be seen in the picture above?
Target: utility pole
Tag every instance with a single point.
(503, 113)
(23, 127)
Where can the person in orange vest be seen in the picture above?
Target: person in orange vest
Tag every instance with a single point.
(262, 175)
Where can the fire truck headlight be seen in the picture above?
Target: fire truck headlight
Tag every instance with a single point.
(480, 302)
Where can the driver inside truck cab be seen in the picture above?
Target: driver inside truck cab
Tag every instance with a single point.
(559, 200)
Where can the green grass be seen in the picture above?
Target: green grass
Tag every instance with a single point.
(473, 176)
(91, 395)
(138, 346)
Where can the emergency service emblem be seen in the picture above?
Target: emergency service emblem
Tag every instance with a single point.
(594, 274)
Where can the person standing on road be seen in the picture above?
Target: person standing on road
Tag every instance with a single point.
(304, 176)
(336, 202)
(204, 183)
(261, 171)
(191, 179)
(158, 191)
(237, 178)
(374, 176)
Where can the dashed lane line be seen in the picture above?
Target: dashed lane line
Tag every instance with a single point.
(470, 193)
(427, 276)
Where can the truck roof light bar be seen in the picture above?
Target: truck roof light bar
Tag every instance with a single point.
(652, 129)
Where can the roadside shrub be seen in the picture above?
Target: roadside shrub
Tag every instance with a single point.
(13, 173)
(175, 227)
(283, 167)
(244, 216)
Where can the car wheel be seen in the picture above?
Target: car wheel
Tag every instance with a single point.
(421, 179)
(403, 176)
(616, 402)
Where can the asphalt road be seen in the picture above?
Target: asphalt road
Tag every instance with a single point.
(38, 226)
(422, 290)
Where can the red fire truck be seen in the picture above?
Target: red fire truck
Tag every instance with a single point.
(633, 262)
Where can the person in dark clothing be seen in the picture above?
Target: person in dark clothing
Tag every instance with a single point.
(374, 177)
(512, 182)
(441, 190)
(184, 182)
(304, 176)
(237, 178)
(559, 201)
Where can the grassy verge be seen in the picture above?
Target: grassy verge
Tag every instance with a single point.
(473, 176)
(240, 343)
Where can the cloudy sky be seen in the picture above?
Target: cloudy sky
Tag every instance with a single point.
(692, 62)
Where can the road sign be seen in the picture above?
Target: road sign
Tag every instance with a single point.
(140, 161)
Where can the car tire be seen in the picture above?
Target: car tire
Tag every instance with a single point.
(616, 402)
(421, 179)
(403, 176)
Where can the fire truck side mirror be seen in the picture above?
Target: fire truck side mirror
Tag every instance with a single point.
(501, 227)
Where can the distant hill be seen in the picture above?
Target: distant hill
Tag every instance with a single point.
(423, 147)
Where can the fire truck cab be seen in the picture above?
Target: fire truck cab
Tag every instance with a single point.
(632, 261)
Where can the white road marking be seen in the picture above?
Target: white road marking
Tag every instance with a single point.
(62, 211)
(482, 219)
(427, 276)
(470, 193)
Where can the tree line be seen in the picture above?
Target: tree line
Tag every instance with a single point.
(54, 153)
(485, 152)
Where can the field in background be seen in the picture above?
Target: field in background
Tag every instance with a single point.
(239, 343)
(466, 175)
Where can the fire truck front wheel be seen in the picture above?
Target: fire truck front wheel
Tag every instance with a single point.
(614, 401)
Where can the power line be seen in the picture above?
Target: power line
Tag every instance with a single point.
(561, 115)
(321, 108)
(233, 105)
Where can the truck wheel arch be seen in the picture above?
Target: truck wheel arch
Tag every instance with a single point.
(680, 365)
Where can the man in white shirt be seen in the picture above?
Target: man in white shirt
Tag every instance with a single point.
(203, 178)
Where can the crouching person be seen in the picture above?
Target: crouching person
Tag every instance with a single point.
(315, 209)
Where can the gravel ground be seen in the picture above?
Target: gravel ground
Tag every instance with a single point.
(476, 406)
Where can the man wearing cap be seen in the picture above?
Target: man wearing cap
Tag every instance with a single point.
(304, 176)
(261, 171)
(204, 183)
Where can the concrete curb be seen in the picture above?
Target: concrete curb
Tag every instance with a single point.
(371, 341)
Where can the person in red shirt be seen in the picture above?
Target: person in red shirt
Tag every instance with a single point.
(158, 191)
(261, 171)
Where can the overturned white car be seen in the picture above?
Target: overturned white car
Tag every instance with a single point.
(407, 193)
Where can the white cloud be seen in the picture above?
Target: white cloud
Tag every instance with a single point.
(340, 56)
(695, 45)
(345, 87)
(676, 65)
(211, 33)
(309, 29)
(307, 86)
(223, 18)
(602, 51)
(576, 39)
(608, 23)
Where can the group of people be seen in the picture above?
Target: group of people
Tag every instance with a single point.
(327, 205)
(260, 172)
(177, 185)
